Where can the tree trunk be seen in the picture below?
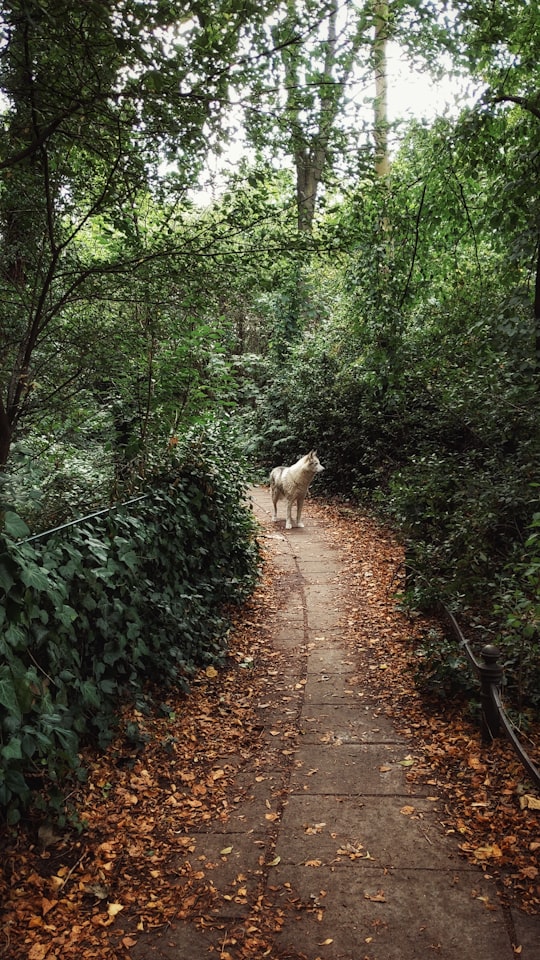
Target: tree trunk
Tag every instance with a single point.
(309, 169)
(382, 160)
(537, 311)
(310, 153)
(5, 435)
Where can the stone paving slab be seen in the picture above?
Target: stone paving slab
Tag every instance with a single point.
(349, 722)
(321, 571)
(326, 687)
(413, 914)
(351, 768)
(328, 658)
(340, 829)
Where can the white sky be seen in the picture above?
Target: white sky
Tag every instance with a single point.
(411, 95)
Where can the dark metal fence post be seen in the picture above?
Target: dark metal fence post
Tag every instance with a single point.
(491, 673)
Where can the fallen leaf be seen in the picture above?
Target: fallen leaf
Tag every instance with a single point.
(38, 952)
(378, 897)
(407, 762)
(114, 908)
(487, 852)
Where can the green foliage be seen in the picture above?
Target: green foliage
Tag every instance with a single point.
(442, 669)
(518, 610)
(93, 614)
(96, 258)
(419, 386)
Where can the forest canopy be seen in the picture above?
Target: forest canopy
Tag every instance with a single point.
(365, 287)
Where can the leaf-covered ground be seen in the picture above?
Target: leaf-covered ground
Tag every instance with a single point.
(90, 893)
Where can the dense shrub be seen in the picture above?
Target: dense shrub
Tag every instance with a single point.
(448, 453)
(518, 611)
(89, 615)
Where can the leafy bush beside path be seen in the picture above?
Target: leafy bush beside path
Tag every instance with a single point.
(90, 616)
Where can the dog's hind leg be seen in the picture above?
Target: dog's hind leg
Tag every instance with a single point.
(275, 498)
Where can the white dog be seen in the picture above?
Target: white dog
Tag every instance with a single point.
(292, 484)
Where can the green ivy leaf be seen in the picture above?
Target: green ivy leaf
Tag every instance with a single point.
(33, 577)
(15, 526)
(8, 697)
(12, 750)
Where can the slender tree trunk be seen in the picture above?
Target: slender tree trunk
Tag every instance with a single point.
(310, 153)
(309, 170)
(537, 311)
(5, 435)
(382, 161)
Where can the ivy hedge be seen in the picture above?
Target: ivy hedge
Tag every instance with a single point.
(89, 617)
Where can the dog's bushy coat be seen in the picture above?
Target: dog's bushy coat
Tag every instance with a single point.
(291, 484)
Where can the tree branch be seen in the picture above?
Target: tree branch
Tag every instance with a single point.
(528, 105)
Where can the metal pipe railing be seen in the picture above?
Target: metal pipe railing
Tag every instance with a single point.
(490, 674)
(73, 523)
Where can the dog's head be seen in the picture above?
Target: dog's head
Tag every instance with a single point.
(314, 462)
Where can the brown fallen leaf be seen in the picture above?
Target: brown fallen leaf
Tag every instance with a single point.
(38, 951)
(487, 852)
(114, 908)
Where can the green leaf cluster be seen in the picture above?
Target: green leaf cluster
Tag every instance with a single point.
(92, 615)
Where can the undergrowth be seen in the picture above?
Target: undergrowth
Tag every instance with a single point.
(91, 614)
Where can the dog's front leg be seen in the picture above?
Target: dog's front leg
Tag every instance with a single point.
(299, 505)
(289, 523)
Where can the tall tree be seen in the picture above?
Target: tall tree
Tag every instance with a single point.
(380, 41)
(499, 43)
(298, 109)
(96, 97)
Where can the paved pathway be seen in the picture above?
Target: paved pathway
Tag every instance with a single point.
(327, 831)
